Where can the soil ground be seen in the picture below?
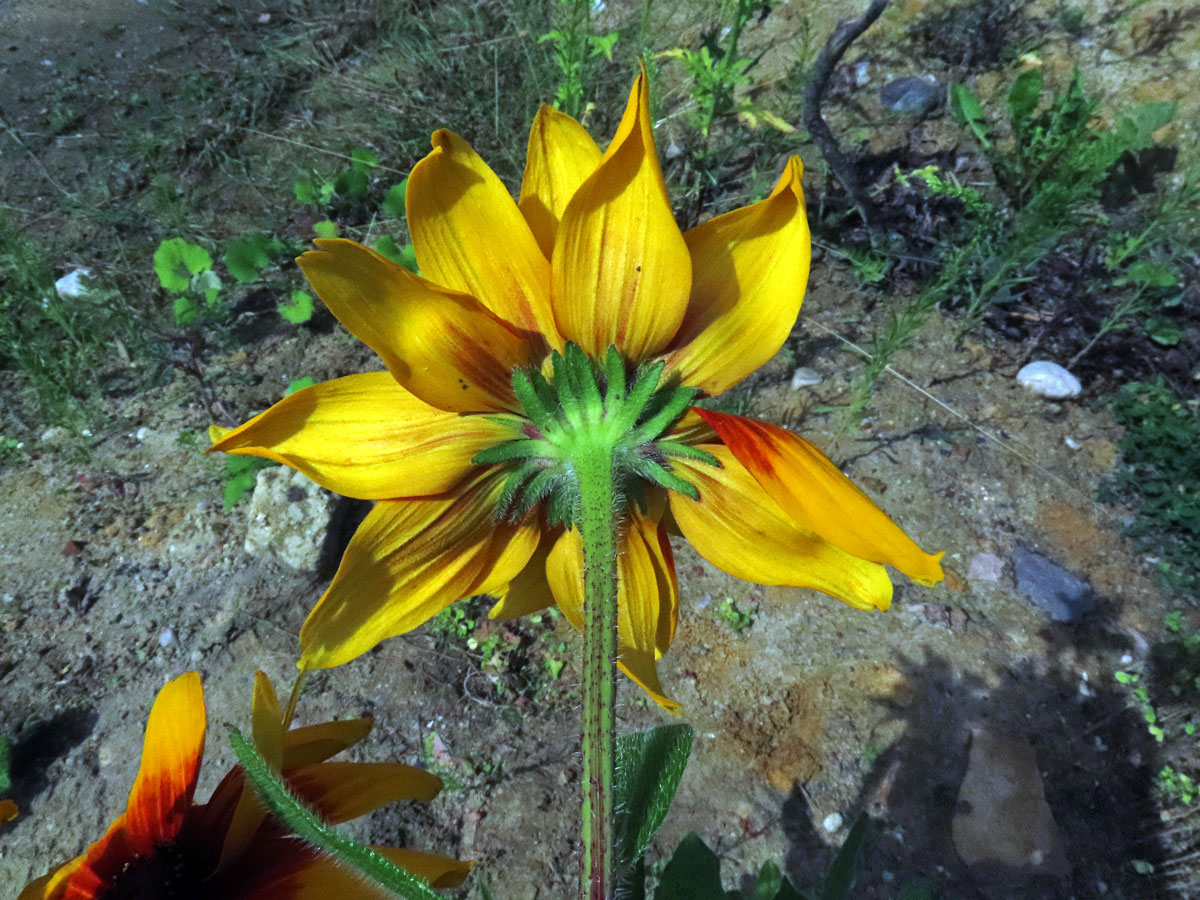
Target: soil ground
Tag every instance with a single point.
(119, 567)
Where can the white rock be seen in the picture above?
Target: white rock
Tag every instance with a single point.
(166, 637)
(832, 822)
(985, 567)
(805, 377)
(71, 285)
(288, 517)
(1049, 379)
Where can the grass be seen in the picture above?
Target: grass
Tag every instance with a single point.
(1159, 476)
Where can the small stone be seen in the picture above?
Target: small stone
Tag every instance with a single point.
(71, 286)
(1049, 379)
(987, 567)
(1050, 587)
(1002, 821)
(912, 95)
(1071, 443)
(805, 377)
(166, 637)
(832, 822)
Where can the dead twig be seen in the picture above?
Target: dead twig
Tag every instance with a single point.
(844, 168)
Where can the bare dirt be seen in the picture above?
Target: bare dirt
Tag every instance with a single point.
(119, 569)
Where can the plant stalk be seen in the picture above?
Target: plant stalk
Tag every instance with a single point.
(598, 528)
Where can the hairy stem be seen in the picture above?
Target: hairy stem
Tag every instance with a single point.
(598, 527)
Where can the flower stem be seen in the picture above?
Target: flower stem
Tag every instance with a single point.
(598, 528)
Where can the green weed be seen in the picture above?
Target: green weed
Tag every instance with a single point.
(56, 345)
(576, 51)
(1159, 475)
(1050, 168)
(737, 619)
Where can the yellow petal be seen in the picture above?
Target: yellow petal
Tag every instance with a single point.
(737, 527)
(749, 270)
(529, 592)
(442, 346)
(437, 870)
(341, 791)
(818, 497)
(469, 236)
(294, 873)
(560, 157)
(408, 561)
(316, 743)
(365, 436)
(647, 601)
(267, 728)
(621, 271)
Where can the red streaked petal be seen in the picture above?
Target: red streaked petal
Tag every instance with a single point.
(171, 757)
(737, 527)
(814, 492)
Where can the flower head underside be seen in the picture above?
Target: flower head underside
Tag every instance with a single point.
(578, 316)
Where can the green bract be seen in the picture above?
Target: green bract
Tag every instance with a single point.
(581, 415)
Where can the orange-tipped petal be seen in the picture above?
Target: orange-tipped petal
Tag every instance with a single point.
(560, 157)
(341, 791)
(749, 270)
(737, 527)
(166, 780)
(316, 743)
(365, 436)
(441, 345)
(408, 561)
(160, 797)
(818, 497)
(647, 601)
(621, 271)
(469, 236)
(8, 811)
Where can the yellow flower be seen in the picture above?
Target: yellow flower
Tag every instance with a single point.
(590, 257)
(166, 845)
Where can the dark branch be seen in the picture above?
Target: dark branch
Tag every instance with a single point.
(844, 169)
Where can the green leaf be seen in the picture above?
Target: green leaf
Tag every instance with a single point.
(352, 183)
(602, 44)
(1136, 128)
(5, 761)
(307, 192)
(298, 309)
(187, 311)
(248, 255)
(1149, 273)
(1164, 331)
(843, 871)
(299, 384)
(1023, 96)
(208, 283)
(176, 261)
(648, 768)
(363, 160)
(693, 873)
(393, 203)
(402, 256)
(968, 111)
(325, 229)
(241, 472)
